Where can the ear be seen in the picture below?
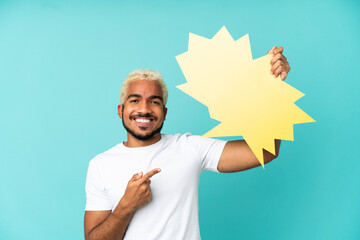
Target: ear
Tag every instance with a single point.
(165, 112)
(120, 110)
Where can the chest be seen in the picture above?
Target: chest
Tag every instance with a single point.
(180, 172)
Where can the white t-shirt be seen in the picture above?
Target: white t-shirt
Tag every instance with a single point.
(173, 211)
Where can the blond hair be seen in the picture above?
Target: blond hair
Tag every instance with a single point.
(144, 74)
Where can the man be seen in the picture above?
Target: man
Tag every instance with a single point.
(147, 187)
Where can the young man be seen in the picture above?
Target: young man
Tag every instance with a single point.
(147, 187)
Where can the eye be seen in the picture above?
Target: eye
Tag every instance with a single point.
(155, 102)
(134, 101)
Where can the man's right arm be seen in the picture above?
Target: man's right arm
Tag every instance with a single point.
(105, 225)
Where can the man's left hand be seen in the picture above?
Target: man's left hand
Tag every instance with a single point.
(279, 63)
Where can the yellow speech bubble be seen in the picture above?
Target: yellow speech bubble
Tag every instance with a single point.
(240, 92)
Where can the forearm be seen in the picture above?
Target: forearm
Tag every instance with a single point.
(268, 157)
(114, 227)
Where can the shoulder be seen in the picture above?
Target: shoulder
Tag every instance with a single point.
(199, 143)
(187, 140)
(105, 156)
(188, 137)
(181, 138)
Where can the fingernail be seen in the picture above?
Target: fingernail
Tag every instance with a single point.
(158, 170)
(271, 72)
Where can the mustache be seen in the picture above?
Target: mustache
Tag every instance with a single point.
(147, 115)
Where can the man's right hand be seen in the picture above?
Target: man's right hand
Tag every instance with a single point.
(107, 225)
(138, 191)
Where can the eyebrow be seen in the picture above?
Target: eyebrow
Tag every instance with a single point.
(134, 95)
(156, 97)
(151, 97)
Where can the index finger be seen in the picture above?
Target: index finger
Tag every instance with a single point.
(271, 50)
(151, 173)
(278, 50)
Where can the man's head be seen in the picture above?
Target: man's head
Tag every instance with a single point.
(143, 97)
(144, 74)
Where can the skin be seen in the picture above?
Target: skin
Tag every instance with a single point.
(144, 101)
(106, 225)
(279, 63)
(143, 98)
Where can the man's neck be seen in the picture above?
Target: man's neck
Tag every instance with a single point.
(133, 142)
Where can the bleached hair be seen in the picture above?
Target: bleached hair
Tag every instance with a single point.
(144, 74)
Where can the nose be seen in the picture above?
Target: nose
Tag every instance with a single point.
(144, 108)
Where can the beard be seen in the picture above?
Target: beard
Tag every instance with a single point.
(142, 137)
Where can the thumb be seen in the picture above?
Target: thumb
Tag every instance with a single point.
(283, 75)
(137, 176)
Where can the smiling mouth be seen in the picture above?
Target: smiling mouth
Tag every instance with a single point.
(143, 121)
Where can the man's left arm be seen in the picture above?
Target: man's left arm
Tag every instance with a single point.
(237, 155)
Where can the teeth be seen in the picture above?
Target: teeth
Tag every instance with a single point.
(141, 120)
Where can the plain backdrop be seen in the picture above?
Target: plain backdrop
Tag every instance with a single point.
(61, 68)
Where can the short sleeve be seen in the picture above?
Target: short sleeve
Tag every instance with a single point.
(209, 150)
(96, 197)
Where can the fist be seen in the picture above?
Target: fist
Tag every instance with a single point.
(279, 63)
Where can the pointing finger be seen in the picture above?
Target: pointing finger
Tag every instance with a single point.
(151, 173)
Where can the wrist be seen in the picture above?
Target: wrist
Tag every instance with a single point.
(124, 208)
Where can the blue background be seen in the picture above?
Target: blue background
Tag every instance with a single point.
(61, 67)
